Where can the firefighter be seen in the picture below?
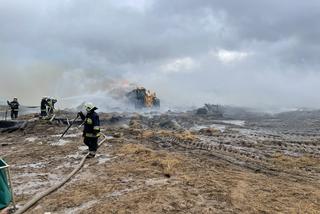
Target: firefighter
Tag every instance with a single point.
(14, 105)
(51, 101)
(43, 106)
(47, 106)
(91, 130)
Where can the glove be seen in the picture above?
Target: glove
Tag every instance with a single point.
(81, 115)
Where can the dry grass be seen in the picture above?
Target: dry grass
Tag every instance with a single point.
(183, 136)
(296, 162)
(186, 136)
(139, 179)
(182, 184)
(210, 131)
(169, 165)
(135, 123)
(128, 149)
(4, 211)
(146, 134)
(165, 162)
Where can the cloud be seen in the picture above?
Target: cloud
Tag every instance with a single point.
(180, 65)
(253, 53)
(227, 56)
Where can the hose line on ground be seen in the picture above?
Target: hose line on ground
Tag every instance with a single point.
(57, 186)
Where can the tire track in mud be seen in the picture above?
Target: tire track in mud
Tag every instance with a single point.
(274, 143)
(256, 159)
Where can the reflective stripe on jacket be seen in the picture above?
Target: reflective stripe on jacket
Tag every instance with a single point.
(91, 125)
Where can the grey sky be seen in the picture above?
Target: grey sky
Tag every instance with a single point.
(251, 53)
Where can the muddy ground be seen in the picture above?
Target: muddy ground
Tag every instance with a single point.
(171, 163)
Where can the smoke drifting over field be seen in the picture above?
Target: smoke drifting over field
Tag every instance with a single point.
(250, 53)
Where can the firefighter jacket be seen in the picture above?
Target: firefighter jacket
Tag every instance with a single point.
(91, 124)
(43, 104)
(51, 102)
(14, 105)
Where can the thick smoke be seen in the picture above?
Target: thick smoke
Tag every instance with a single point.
(262, 54)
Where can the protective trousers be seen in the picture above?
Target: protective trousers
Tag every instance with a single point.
(14, 114)
(92, 143)
(43, 112)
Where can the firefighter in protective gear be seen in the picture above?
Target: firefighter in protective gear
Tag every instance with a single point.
(91, 130)
(43, 107)
(47, 106)
(14, 105)
(51, 101)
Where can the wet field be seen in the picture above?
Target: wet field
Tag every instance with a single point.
(171, 163)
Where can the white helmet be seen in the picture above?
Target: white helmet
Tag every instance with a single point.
(89, 106)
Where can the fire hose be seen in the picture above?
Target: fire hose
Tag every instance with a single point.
(74, 120)
(38, 197)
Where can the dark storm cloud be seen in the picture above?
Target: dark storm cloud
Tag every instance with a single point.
(255, 22)
(257, 53)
